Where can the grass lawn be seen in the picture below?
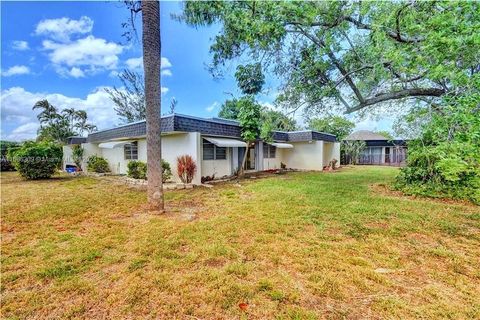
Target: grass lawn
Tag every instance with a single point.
(296, 246)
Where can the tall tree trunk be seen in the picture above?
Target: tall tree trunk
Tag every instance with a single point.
(241, 172)
(151, 66)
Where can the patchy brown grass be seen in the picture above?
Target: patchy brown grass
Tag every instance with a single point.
(298, 246)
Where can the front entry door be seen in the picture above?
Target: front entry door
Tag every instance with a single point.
(250, 163)
(387, 155)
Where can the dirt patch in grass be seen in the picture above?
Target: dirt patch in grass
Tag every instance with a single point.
(387, 190)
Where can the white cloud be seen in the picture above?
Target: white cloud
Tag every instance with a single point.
(134, 63)
(167, 73)
(113, 73)
(212, 107)
(165, 63)
(63, 28)
(26, 131)
(164, 90)
(20, 45)
(90, 53)
(16, 110)
(137, 64)
(16, 70)
(76, 72)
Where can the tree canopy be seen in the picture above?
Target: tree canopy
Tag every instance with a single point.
(337, 125)
(230, 109)
(58, 126)
(353, 54)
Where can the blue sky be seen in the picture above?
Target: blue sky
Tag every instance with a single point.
(68, 52)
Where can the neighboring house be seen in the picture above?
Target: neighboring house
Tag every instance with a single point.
(215, 144)
(380, 150)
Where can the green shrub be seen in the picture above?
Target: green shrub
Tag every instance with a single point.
(6, 164)
(166, 171)
(445, 160)
(138, 170)
(36, 160)
(97, 164)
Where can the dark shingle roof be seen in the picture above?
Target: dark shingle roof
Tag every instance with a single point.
(385, 143)
(213, 126)
(76, 140)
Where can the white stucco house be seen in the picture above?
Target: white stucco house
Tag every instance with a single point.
(215, 144)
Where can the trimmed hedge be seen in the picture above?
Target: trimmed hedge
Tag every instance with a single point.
(97, 164)
(138, 170)
(37, 160)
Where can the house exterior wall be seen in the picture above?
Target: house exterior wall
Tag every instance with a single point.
(89, 150)
(67, 156)
(219, 168)
(116, 160)
(234, 159)
(331, 150)
(336, 152)
(173, 146)
(273, 163)
(306, 155)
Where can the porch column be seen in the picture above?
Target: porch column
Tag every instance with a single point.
(259, 156)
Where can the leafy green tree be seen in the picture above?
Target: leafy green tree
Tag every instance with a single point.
(356, 54)
(250, 78)
(278, 120)
(249, 118)
(229, 109)
(341, 127)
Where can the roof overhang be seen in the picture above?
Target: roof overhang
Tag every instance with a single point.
(114, 144)
(224, 142)
(282, 145)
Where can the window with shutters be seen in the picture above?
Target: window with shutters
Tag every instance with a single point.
(131, 151)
